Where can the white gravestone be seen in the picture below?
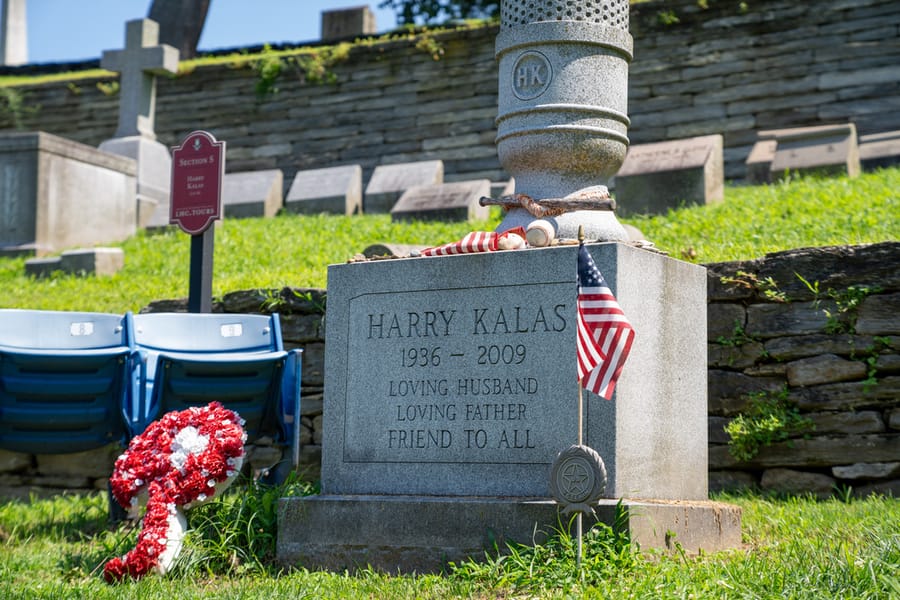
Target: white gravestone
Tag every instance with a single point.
(879, 150)
(456, 201)
(334, 190)
(388, 182)
(657, 177)
(829, 149)
(252, 194)
(139, 64)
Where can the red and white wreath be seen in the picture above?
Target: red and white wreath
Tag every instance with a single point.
(179, 461)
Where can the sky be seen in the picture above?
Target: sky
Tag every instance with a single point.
(74, 30)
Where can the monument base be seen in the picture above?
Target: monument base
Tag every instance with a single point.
(154, 173)
(424, 533)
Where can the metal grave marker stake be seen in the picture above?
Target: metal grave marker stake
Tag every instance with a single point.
(198, 166)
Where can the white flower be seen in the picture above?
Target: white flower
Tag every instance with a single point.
(188, 441)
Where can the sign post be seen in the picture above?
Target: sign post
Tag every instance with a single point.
(198, 166)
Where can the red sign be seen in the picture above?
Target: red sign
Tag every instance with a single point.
(198, 166)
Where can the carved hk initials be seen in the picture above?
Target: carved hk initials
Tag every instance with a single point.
(531, 75)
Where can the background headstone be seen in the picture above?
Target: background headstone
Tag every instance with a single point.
(759, 162)
(57, 194)
(252, 194)
(335, 190)
(830, 149)
(139, 63)
(13, 33)
(443, 202)
(347, 22)
(879, 150)
(388, 182)
(657, 177)
(503, 188)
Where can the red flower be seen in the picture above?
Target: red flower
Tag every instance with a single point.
(179, 459)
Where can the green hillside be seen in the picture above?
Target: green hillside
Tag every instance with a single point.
(294, 251)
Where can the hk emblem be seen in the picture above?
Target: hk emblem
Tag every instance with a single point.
(532, 74)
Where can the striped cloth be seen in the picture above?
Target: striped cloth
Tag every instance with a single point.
(604, 333)
(477, 241)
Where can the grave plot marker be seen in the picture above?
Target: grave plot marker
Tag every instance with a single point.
(198, 166)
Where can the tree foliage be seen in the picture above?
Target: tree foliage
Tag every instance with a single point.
(436, 11)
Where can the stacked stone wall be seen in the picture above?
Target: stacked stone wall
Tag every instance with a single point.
(832, 357)
(819, 331)
(731, 68)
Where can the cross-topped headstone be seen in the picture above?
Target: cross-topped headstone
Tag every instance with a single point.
(139, 64)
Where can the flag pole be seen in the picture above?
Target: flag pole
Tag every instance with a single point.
(578, 519)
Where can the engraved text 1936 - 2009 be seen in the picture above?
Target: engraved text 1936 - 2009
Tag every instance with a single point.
(453, 376)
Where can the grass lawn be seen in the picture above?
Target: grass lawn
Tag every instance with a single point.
(793, 548)
(294, 251)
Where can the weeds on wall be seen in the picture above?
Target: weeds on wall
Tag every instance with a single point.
(767, 287)
(13, 109)
(842, 318)
(770, 418)
(110, 88)
(313, 65)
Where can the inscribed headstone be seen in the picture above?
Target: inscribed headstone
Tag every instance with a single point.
(58, 194)
(830, 149)
(657, 177)
(347, 22)
(252, 194)
(388, 182)
(879, 150)
(456, 201)
(456, 375)
(335, 190)
(451, 387)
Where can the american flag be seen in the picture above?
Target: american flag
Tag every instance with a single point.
(477, 241)
(604, 334)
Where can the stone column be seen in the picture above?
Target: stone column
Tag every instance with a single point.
(563, 97)
(13, 33)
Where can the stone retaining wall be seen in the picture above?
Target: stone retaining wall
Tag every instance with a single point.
(697, 71)
(834, 357)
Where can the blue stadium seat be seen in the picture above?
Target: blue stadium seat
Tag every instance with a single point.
(236, 359)
(66, 380)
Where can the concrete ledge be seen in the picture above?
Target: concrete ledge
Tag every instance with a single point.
(82, 261)
(423, 533)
